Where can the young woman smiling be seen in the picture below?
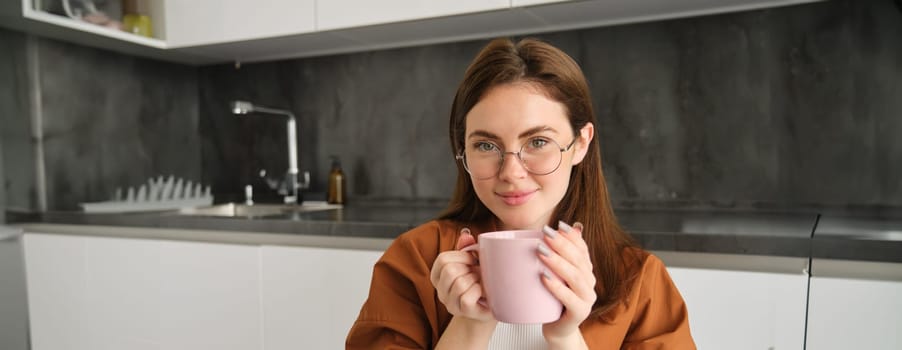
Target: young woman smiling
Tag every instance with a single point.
(523, 135)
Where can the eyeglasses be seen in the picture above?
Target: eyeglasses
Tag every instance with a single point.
(539, 156)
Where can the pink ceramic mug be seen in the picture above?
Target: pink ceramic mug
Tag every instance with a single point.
(512, 277)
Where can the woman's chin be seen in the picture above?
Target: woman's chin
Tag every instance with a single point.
(520, 223)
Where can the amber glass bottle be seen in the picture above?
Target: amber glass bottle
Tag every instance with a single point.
(336, 183)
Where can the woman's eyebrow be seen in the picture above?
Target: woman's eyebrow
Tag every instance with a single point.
(537, 130)
(482, 133)
(527, 133)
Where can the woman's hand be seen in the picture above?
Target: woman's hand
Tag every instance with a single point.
(455, 276)
(567, 256)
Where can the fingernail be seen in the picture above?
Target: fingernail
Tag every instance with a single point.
(563, 226)
(550, 232)
(546, 274)
(578, 225)
(465, 231)
(543, 249)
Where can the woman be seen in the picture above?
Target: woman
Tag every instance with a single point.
(522, 132)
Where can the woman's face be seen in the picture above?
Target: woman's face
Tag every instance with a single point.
(506, 118)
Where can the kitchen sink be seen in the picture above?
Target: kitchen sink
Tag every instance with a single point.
(256, 210)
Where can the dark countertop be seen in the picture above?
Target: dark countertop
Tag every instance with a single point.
(798, 234)
(858, 238)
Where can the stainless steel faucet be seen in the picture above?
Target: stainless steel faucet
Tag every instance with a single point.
(292, 184)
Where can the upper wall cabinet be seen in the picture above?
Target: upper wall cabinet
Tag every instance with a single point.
(210, 31)
(204, 22)
(519, 3)
(341, 14)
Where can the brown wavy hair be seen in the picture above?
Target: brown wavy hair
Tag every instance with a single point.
(613, 254)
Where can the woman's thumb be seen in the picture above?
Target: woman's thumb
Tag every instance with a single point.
(465, 239)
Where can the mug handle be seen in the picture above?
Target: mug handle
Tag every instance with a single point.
(471, 248)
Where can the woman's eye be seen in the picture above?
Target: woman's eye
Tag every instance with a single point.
(485, 147)
(537, 143)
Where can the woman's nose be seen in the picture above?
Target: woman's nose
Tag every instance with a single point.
(511, 167)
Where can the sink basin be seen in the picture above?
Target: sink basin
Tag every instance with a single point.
(255, 210)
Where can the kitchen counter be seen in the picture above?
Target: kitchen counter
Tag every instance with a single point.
(800, 234)
(858, 238)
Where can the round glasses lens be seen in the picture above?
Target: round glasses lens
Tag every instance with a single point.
(483, 163)
(540, 156)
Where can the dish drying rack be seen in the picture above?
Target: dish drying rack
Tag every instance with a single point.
(155, 195)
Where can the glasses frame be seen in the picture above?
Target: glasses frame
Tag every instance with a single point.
(463, 158)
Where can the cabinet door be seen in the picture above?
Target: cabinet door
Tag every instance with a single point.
(112, 293)
(200, 22)
(92, 293)
(210, 296)
(56, 273)
(311, 296)
(847, 313)
(743, 310)
(122, 303)
(336, 14)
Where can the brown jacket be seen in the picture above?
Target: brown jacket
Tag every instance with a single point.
(403, 310)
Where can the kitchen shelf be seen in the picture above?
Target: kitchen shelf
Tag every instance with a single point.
(22, 16)
(65, 22)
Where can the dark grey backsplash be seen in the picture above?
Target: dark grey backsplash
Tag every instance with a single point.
(2, 187)
(15, 127)
(384, 114)
(108, 120)
(113, 120)
(794, 106)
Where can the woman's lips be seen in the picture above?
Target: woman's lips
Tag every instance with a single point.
(515, 197)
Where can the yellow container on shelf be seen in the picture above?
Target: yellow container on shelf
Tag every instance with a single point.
(134, 20)
(137, 24)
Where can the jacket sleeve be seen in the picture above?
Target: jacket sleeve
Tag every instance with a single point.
(400, 311)
(661, 320)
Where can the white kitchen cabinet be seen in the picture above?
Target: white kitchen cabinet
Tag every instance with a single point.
(337, 14)
(311, 296)
(522, 3)
(204, 22)
(847, 313)
(117, 293)
(57, 292)
(742, 309)
(209, 31)
(123, 279)
(210, 296)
